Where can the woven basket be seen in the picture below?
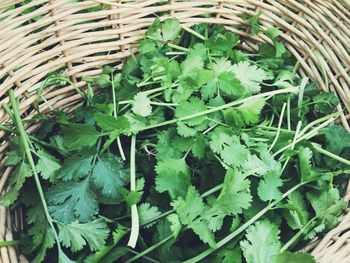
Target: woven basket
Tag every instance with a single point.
(40, 36)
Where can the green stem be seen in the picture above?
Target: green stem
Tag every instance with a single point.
(9, 243)
(215, 109)
(155, 246)
(329, 154)
(26, 144)
(306, 136)
(178, 47)
(292, 241)
(239, 230)
(164, 104)
(191, 31)
(135, 224)
(317, 121)
(278, 127)
(288, 114)
(145, 257)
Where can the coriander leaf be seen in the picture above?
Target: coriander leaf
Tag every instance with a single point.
(190, 212)
(220, 138)
(77, 166)
(325, 102)
(235, 194)
(198, 148)
(47, 165)
(172, 176)
(47, 241)
(289, 257)
(255, 165)
(306, 171)
(101, 81)
(109, 176)
(175, 224)
(231, 255)
(184, 130)
(255, 28)
(141, 105)
(262, 242)
(194, 105)
(147, 212)
(70, 200)
(13, 157)
(77, 136)
(165, 31)
(164, 145)
(110, 123)
(273, 33)
(76, 235)
(337, 139)
(296, 212)
(250, 76)
(251, 109)
(235, 154)
(268, 186)
(328, 205)
(17, 180)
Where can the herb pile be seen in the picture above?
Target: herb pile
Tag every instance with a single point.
(195, 151)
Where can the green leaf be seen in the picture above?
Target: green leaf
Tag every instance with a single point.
(250, 76)
(328, 205)
(306, 171)
(141, 105)
(77, 166)
(268, 187)
(76, 235)
(229, 255)
(289, 257)
(262, 242)
(147, 212)
(190, 211)
(109, 176)
(166, 31)
(251, 109)
(296, 212)
(16, 181)
(110, 123)
(194, 105)
(235, 194)
(337, 139)
(77, 136)
(175, 224)
(198, 148)
(172, 176)
(47, 165)
(273, 33)
(325, 102)
(255, 28)
(101, 81)
(184, 130)
(72, 200)
(235, 154)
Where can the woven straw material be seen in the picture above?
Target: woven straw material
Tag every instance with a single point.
(66, 35)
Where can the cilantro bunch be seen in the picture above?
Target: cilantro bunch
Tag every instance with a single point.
(195, 151)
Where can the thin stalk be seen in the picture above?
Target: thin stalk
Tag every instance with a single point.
(301, 94)
(26, 144)
(293, 144)
(317, 121)
(8, 110)
(329, 154)
(215, 109)
(135, 224)
(306, 136)
(191, 31)
(164, 104)
(155, 246)
(9, 243)
(178, 47)
(288, 114)
(296, 236)
(145, 257)
(119, 143)
(278, 127)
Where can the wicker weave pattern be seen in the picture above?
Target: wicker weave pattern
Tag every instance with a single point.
(69, 38)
